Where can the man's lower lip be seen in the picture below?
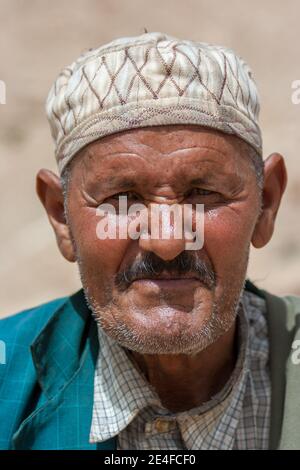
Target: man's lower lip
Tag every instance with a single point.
(167, 283)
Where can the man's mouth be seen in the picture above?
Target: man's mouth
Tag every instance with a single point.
(168, 280)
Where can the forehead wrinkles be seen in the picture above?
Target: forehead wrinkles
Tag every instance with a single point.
(161, 141)
(138, 156)
(130, 164)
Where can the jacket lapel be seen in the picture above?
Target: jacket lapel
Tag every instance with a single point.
(283, 317)
(284, 328)
(290, 431)
(64, 356)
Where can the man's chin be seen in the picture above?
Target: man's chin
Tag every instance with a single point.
(153, 342)
(161, 330)
(168, 319)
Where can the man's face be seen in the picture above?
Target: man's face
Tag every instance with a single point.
(153, 296)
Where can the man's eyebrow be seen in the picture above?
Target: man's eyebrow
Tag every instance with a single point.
(198, 180)
(120, 181)
(208, 177)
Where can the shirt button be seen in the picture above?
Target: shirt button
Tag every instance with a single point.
(161, 425)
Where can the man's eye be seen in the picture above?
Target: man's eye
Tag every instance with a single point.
(129, 194)
(200, 192)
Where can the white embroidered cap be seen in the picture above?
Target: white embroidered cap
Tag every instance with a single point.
(151, 80)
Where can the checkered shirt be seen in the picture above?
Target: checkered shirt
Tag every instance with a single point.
(238, 417)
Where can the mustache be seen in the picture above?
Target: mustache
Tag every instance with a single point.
(151, 266)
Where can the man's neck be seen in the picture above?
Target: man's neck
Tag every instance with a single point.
(186, 381)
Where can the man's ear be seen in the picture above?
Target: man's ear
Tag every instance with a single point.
(49, 190)
(274, 185)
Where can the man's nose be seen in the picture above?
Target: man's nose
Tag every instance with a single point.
(164, 234)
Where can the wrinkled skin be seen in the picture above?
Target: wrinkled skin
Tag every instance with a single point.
(179, 332)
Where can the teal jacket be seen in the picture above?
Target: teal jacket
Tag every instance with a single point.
(46, 384)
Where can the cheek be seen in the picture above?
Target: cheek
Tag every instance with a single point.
(227, 236)
(99, 258)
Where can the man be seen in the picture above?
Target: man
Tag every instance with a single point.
(166, 346)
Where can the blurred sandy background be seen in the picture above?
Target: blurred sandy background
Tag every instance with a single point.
(39, 37)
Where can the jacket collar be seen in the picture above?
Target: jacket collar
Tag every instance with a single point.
(64, 355)
(60, 347)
